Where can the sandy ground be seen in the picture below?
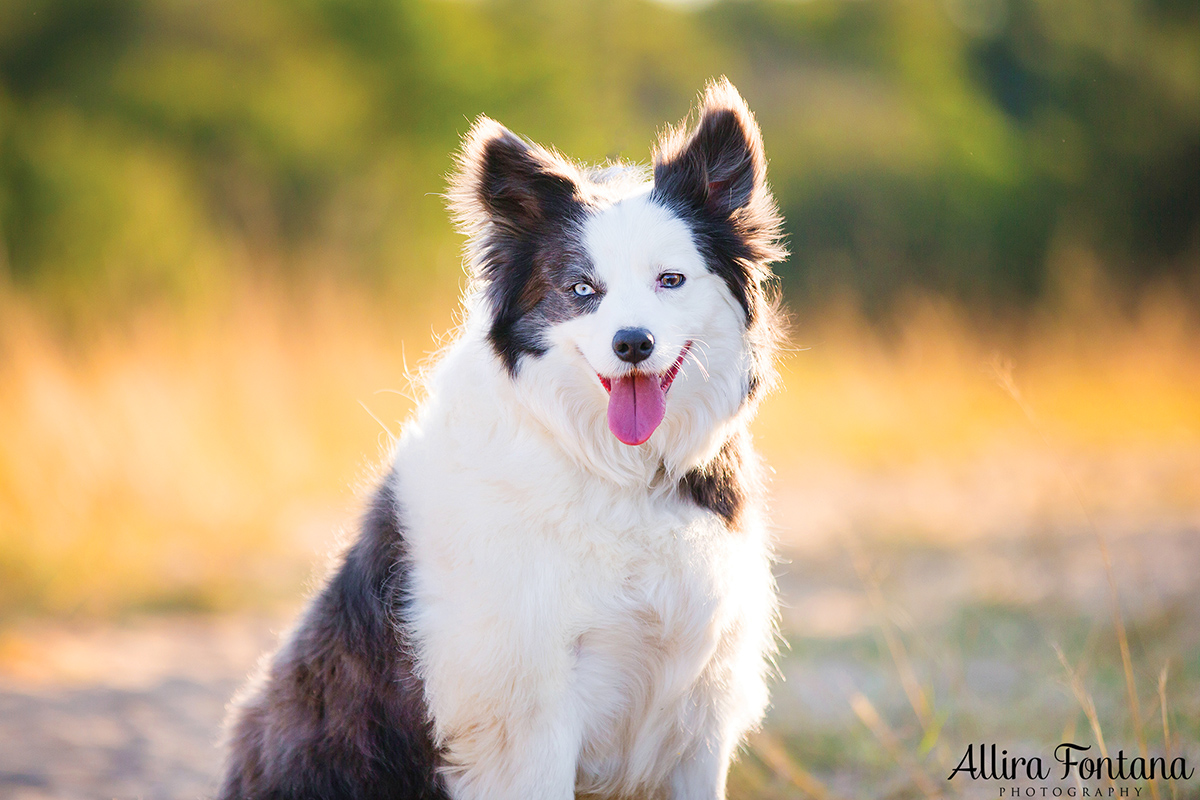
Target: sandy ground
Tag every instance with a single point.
(133, 709)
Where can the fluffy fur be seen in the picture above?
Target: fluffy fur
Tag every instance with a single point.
(534, 608)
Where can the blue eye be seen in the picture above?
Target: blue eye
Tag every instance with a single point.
(583, 289)
(671, 280)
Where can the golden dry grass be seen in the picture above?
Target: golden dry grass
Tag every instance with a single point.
(199, 459)
(188, 460)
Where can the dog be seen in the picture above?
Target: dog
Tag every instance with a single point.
(563, 586)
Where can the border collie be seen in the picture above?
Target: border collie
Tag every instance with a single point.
(563, 587)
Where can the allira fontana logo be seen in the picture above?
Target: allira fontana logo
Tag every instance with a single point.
(1071, 762)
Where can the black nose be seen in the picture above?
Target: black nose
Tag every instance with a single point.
(633, 344)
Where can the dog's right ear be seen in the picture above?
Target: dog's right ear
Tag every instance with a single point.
(504, 181)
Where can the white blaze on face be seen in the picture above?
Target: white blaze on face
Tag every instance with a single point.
(631, 244)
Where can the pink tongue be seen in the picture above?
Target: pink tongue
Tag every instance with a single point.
(635, 407)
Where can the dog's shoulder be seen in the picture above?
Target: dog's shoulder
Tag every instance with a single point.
(340, 712)
(727, 483)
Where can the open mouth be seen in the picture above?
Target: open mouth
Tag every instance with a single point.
(637, 401)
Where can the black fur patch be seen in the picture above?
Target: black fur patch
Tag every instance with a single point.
(522, 207)
(714, 177)
(720, 486)
(341, 713)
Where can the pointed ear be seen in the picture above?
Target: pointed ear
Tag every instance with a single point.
(504, 180)
(718, 166)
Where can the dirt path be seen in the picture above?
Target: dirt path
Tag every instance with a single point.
(122, 711)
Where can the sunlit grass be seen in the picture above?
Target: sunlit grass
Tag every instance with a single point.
(925, 383)
(200, 459)
(906, 427)
(183, 461)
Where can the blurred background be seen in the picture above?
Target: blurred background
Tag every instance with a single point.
(224, 252)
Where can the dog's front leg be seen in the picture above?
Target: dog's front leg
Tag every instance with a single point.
(538, 765)
(733, 699)
(702, 772)
(498, 671)
(521, 760)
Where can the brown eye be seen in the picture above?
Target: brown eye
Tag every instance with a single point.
(670, 280)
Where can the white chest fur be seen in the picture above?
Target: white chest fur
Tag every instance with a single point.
(571, 632)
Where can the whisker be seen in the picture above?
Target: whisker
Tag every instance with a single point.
(692, 356)
(696, 343)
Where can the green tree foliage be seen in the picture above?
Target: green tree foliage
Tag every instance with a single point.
(148, 147)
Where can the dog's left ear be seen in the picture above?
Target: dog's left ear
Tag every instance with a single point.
(716, 175)
(718, 167)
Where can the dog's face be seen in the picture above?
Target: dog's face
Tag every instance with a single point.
(623, 301)
(649, 306)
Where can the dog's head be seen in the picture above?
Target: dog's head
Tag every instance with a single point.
(621, 299)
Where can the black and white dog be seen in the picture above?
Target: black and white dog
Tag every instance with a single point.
(563, 587)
